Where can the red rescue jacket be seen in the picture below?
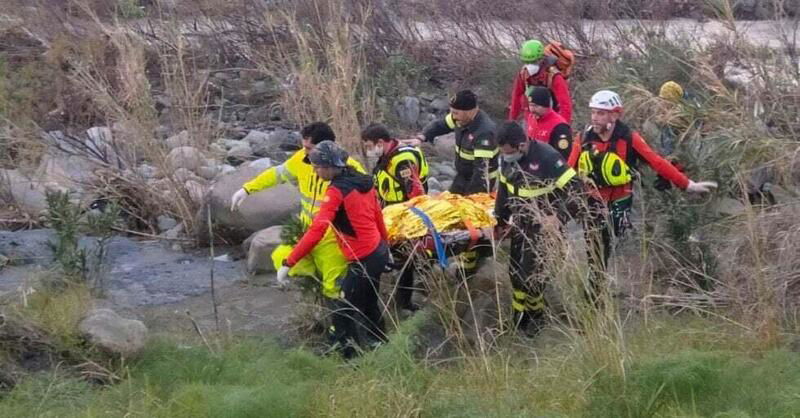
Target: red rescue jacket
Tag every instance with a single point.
(559, 89)
(351, 208)
(551, 129)
(631, 147)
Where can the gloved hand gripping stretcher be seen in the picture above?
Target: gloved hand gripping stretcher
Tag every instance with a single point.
(446, 223)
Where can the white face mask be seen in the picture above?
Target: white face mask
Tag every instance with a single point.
(512, 158)
(532, 68)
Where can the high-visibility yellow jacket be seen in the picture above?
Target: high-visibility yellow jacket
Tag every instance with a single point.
(298, 170)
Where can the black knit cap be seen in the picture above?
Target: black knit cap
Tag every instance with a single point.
(540, 96)
(464, 100)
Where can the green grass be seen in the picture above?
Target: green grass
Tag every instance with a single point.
(678, 368)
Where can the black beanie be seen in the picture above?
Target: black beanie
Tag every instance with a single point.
(464, 100)
(541, 96)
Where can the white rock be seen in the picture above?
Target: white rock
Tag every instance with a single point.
(112, 333)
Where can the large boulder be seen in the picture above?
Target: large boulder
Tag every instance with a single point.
(407, 110)
(445, 146)
(260, 210)
(112, 333)
(186, 157)
(25, 193)
(181, 139)
(259, 247)
(69, 172)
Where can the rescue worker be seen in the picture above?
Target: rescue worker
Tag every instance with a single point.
(539, 69)
(400, 174)
(476, 149)
(549, 126)
(328, 260)
(608, 152)
(350, 207)
(476, 154)
(535, 176)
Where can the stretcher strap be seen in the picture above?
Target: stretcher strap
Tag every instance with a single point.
(437, 240)
(474, 234)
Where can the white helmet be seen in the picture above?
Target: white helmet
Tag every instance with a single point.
(606, 100)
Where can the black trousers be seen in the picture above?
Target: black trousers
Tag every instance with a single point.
(526, 269)
(357, 318)
(603, 224)
(405, 284)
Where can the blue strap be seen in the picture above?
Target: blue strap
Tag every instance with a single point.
(437, 240)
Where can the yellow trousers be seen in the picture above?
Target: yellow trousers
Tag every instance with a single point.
(325, 262)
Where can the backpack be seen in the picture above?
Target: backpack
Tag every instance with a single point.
(565, 59)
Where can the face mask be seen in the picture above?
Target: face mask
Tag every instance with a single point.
(532, 68)
(512, 158)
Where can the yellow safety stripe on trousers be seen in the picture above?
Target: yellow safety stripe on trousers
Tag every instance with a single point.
(449, 121)
(535, 303)
(518, 301)
(560, 182)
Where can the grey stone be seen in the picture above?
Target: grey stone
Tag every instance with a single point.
(425, 119)
(69, 172)
(260, 142)
(180, 139)
(185, 157)
(260, 88)
(174, 232)
(182, 175)
(208, 172)
(260, 164)
(407, 110)
(239, 153)
(197, 190)
(729, 207)
(440, 105)
(231, 143)
(446, 184)
(434, 183)
(446, 171)
(259, 247)
(260, 210)
(27, 194)
(445, 146)
(166, 223)
(114, 334)
(146, 171)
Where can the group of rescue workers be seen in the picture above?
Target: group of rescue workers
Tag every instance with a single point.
(586, 176)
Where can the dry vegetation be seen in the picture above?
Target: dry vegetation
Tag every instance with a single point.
(329, 61)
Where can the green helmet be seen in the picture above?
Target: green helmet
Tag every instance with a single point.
(531, 50)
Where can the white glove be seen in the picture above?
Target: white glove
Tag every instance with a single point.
(701, 187)
(283, 276)
(237, 199)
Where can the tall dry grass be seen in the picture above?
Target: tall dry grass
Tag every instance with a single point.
(321, 66)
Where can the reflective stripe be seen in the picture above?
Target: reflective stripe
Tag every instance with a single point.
(565, 178)
(535, 303)
(448, 120)
(483, 153)
(520, 295)
(518, 306)
(464, 154)
(284, 174)
(311, 202)
(539, 191)
(494, 174)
